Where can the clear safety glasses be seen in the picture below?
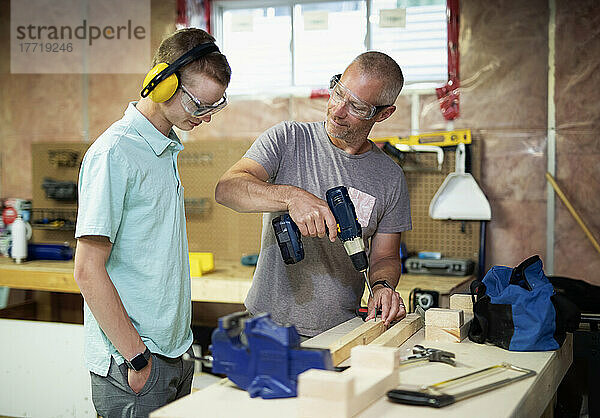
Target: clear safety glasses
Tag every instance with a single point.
(198, 109)
(357, 107)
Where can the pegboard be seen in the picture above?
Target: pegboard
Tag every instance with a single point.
(58, 162)
(423, 182)
(228, 234)
(212, 227)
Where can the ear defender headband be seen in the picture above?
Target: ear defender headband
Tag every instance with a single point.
(162, 81)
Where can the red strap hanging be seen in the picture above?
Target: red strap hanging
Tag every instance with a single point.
(448, 95)
(206, 4)
(182, 17)
(201, 8)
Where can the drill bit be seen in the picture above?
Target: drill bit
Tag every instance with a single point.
(368, 284)
(370, 289)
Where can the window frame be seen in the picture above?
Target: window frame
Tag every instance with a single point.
(219, 6)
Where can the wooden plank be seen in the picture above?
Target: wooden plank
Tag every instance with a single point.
(400, 332)
(325, 339)
(363, 335)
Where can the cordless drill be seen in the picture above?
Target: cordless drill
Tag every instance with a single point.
(349, 232)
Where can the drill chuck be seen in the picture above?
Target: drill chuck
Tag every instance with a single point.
(356, 250)
(360, 261)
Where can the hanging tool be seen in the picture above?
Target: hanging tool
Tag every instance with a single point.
(459, 197)
(424, 148)
(260, 356)
(432, 395)
(349, 231)
(421, 353)
(400, 150)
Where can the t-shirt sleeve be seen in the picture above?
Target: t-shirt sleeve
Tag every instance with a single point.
(268, 148)
(396, 216)
(102, 187)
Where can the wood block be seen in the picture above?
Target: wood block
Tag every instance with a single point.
(374, 371)
(325, 384)
(461, 301)
(444, 318)
(363, 335)
(400, 332)
(451, 335)
(372, 357)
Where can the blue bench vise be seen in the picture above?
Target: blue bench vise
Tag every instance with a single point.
(262, 357)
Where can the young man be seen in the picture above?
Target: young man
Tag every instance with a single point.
(132, 262)
(290, 167)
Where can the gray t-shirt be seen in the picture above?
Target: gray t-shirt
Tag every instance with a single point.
(324, 289)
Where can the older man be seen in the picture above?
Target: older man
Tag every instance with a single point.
(291, 166)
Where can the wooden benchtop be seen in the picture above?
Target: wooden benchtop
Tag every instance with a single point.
(228, 283)
(527, 398)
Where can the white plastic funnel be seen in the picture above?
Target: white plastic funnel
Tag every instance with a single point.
(459, 197)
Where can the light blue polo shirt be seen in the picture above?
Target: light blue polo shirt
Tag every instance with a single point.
(130, 192)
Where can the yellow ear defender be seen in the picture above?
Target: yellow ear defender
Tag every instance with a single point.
(166, 88)
(161, 83)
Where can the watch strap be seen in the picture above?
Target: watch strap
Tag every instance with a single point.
(384, 283)
(140, 361)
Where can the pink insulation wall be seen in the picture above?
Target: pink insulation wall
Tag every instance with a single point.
(504, 94)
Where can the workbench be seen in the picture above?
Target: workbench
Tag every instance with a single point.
(527, 398)
(228, 283)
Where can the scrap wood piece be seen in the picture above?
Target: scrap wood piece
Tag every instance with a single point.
(449, 334)
(444, 318)
(374, 371)
(400, 332)
(462, 301)
(362, 335)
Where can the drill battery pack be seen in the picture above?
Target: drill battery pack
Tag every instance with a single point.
(288, 238)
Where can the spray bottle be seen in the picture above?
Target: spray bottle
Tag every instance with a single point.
(21, 233)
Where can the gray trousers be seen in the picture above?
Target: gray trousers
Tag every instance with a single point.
(170, 379)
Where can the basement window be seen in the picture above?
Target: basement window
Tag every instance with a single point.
(279, 45)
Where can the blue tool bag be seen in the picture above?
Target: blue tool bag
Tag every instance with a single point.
(517, 309)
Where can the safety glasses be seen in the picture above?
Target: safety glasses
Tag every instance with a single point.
(357, 107)
(196, 108)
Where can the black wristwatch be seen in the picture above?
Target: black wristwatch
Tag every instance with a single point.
(139, 361)
(384, 283)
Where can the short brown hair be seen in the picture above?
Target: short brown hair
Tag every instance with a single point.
(214, 65)
(379, 65)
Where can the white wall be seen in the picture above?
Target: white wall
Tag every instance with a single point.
(42, 373)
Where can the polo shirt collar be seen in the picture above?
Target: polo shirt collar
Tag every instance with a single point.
(157, 141)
